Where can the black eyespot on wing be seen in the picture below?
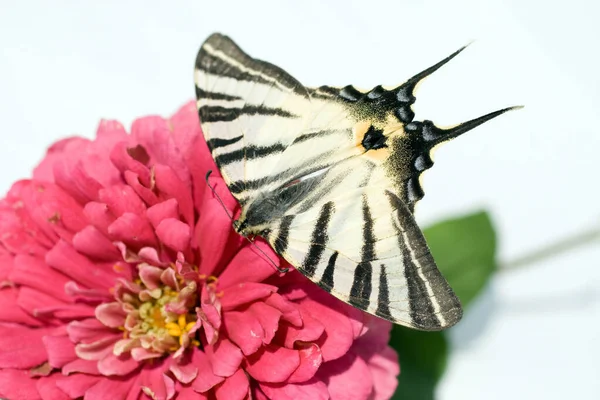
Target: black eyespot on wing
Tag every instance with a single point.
(374, 139)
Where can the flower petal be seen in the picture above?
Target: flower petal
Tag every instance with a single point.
(111, 314)
(64, 258)
(76, 385)
(117, 365)
(244, 330)
(273, 364)
(225, 357)
(235, 387)
(47, 389)
(311, 390)
(60, 350)
(243, 293)
(118, 388)
(22, 347)
(249, 265)
(205, 379)
(310, 361)
(91, 242)
(174, 234)
(17, 384)
(268, 317)
(133, 230)
(384, 369)
(156, 384)
(348, 378)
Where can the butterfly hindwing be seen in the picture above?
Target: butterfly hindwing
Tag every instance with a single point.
(329, 177)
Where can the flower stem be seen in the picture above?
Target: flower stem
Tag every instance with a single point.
(559, 247)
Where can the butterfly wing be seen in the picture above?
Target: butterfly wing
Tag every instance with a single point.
(330, 176)
(250, 110)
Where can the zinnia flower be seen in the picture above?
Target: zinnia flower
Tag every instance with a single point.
(122, 278)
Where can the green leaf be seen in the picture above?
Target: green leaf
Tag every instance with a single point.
(465, 251)
(422, 362)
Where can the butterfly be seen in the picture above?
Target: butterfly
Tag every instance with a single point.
(329, 177)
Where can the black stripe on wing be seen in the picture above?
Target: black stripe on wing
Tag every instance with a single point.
(248, 153)
(220, 56)
(283, 234)
(225, 114)
(361, 285)
(318, 240)
(422, 276)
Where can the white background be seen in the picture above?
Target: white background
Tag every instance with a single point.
(535, 333)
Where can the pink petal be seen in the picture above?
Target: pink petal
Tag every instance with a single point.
(310, 361)
(17, 384)
(154, 134)
(117, 365)
(12, 312)
(243, 293)
(185, 368)
(211, 321)
(156, 384)
(73, 179)
(187, 135)
(339, 331)
(273, 364)
(205, 379)
(67, 260)
(76, 385)
(374, 338)
(118, 389)
(249, 265)
(150, 276)
(60, 350)
(83, 366)
(348, 378)
(174, 234)
(22, 347)
(311, 330)
(188, 393)
(91, 242)
(170, 185)
(225, 357)
(289, 310)
(313, 390)
(244, 330)
(137, 183)
(34, 273)
(87, 331)
(97, 350)
(384, 371)
(99, 216)
(132, 157)
(122, 200)
(47, 389)
(163, 210)
(235, 387)
(56, 152)
(214, 220)
(133, 230)
(268, 317)
(111, 314)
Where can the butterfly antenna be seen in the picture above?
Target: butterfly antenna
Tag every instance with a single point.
(216, 195)
(279, 269)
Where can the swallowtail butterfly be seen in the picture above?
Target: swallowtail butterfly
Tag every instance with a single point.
(329, 177)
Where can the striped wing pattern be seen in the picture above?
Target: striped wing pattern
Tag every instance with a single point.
(329, 177)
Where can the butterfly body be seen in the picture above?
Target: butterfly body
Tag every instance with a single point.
(329, 177)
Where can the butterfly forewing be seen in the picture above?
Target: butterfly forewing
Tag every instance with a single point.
(329, 177)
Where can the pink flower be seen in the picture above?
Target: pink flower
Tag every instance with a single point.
(121, 277)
